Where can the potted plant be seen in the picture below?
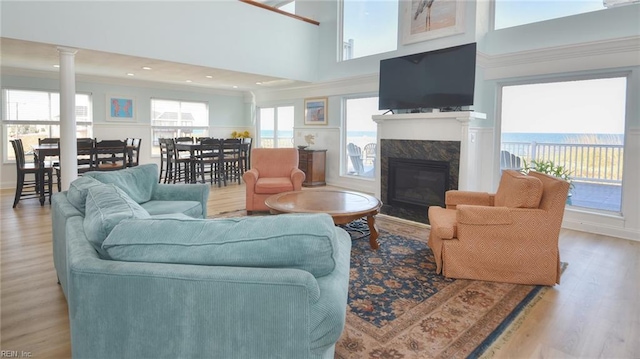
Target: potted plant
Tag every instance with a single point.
(550, 168)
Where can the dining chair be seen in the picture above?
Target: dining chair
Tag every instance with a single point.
(245, 153)
(165, 162)
(178, 165)
(133, 147)
(28, 188)
(207, 160)
(110, 155)
(84, 158)
(231, 159)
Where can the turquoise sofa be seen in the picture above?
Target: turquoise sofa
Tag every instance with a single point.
(167, 285)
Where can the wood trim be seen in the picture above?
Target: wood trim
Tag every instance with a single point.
(270, 8)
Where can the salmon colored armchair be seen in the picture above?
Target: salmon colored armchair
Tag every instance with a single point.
(273, 170)
(511, 236)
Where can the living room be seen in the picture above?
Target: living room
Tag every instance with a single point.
(269, 45)
(557, 48)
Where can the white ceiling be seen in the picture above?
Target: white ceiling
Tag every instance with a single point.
(33, 56)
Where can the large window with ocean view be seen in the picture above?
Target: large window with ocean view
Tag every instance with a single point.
(275, 127)
(577, 127)
(360, 134)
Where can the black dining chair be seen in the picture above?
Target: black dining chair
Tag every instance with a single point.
(207, 160)
(29, 188)
(231, 159)
(133, 146)
(110, 155)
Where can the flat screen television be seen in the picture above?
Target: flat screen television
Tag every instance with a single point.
(443, 78)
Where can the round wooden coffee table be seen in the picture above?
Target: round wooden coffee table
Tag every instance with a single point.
(343, 206)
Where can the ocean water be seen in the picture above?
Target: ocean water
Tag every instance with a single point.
(602, 139)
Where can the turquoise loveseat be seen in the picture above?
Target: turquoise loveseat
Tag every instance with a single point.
(172, 286)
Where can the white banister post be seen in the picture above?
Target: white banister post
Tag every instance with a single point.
(68, 143)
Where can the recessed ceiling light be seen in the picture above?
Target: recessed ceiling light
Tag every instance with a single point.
(209, 76)
(258, 83)
(130, 74)
(146, 68)
(56, 66)
(188, 81)
(235, 87)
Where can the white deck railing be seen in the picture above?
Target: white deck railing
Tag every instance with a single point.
(585, 162)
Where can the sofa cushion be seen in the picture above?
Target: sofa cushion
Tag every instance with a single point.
(273, 185)
(106, 206)
(137, 182)
(78, 189)
(300, 241)
(517, 190)
(189, 208)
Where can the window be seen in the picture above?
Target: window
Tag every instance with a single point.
(275, 127)
(369, 27)
(509, 13)
(361, 136)
(30, 115)
(578, 125)
(171, 119)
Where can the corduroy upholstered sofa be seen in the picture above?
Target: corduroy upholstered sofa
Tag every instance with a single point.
(172, 286)
(511, 236)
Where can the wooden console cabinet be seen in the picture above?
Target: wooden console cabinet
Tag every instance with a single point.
(312, 163)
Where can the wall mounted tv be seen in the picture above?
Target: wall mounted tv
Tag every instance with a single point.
(442, 79)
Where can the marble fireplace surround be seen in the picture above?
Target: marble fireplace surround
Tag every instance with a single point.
(437, 136)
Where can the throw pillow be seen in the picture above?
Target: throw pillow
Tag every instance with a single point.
(106, 206)
(138, 182)
(78, 189)
(517, 190)
(301, 241)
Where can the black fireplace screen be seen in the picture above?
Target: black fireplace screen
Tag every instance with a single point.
(417, 183)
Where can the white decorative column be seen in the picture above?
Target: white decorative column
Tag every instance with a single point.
(68, 144)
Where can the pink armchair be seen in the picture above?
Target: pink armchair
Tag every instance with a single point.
(273, 170)
(511, 236)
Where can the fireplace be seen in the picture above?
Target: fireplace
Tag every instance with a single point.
(417, 184)
(415, 174)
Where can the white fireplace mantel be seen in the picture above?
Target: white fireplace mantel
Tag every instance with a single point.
(434, 126)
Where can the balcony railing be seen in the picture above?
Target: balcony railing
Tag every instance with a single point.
(585, 162)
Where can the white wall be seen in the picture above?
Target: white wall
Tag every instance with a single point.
(220, 34)
(228, 111)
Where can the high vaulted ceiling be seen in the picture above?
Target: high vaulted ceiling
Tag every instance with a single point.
(33, 56)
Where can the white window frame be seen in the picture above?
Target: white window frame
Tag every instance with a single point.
(6, 122)
(344, 160)
(178, 128)
(343, 46)
(275, 125)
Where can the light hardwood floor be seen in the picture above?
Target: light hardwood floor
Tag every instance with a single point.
(593, 313)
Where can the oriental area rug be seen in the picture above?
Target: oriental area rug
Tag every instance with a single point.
(398, 308)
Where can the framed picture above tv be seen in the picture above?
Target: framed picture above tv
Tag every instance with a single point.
(428, 19)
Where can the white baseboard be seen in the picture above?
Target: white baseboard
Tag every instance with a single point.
(600, 228)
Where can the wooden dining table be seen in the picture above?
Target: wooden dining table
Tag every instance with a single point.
(42, 151)
(193, 148)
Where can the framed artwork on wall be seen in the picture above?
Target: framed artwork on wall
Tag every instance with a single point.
(428, 19)
(315, 111)
(121, 108)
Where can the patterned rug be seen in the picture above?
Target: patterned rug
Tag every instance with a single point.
(399, 308)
